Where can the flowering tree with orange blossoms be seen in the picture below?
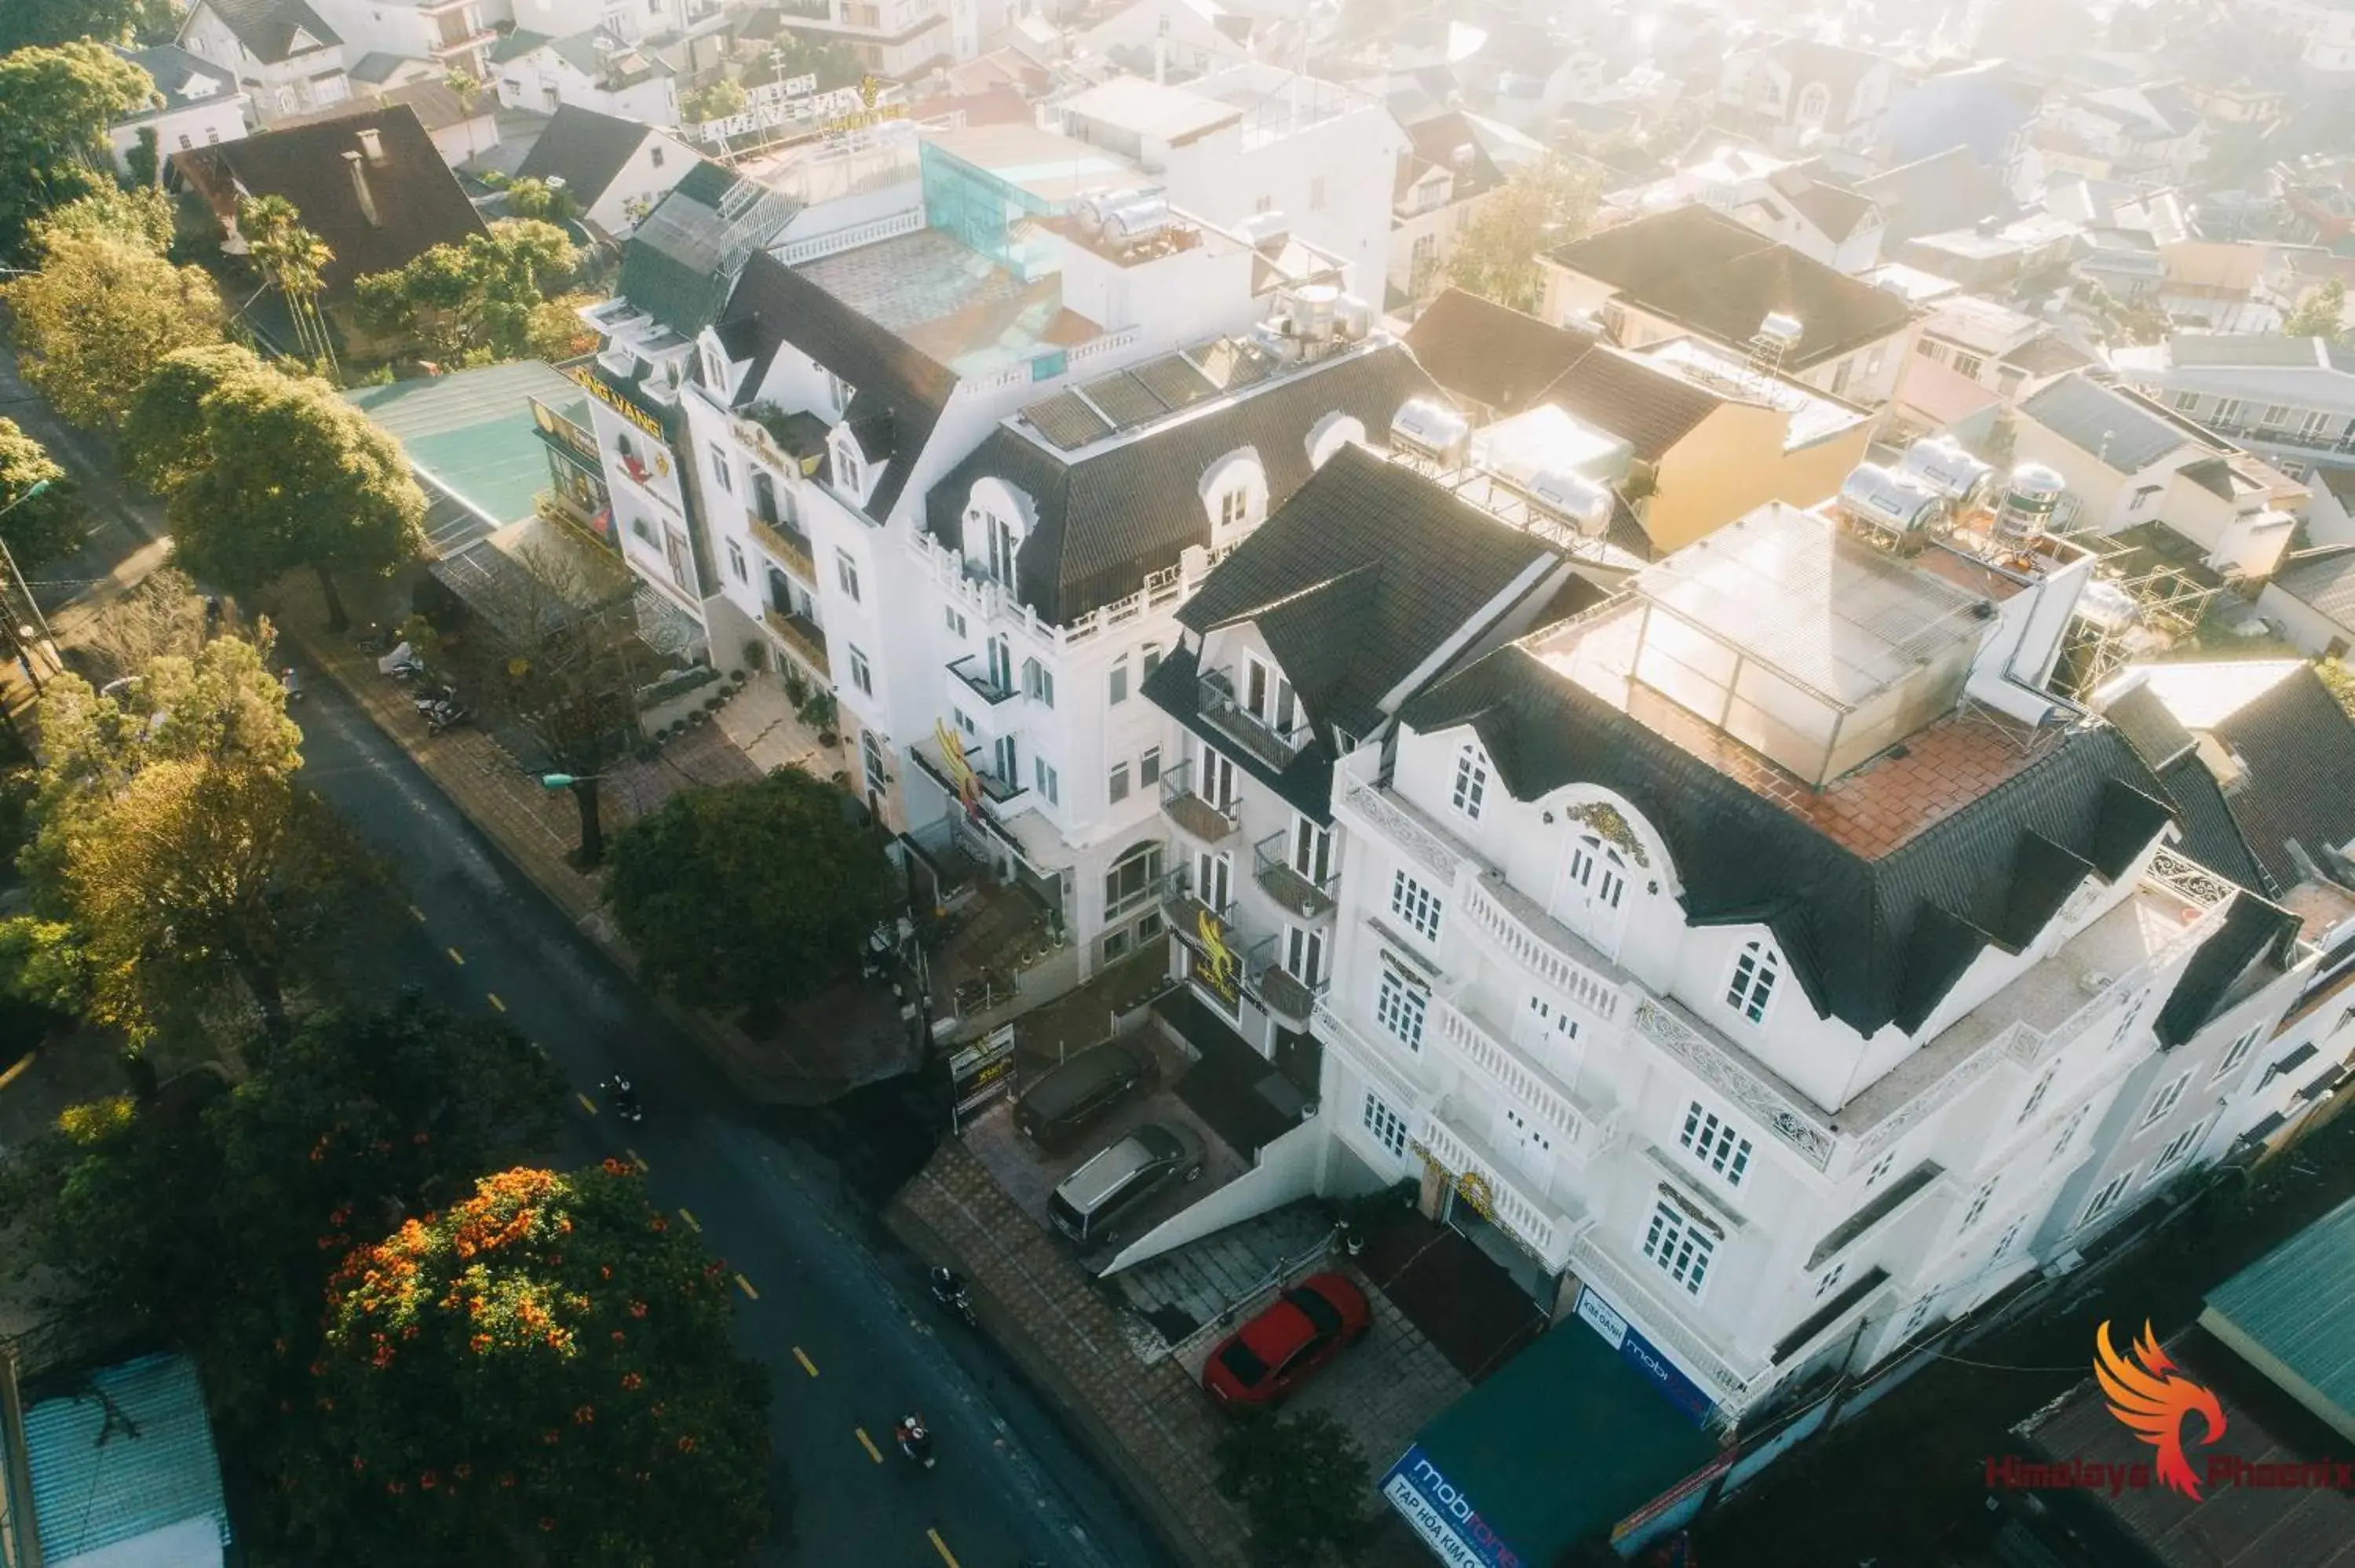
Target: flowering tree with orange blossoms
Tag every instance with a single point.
(539, 1375)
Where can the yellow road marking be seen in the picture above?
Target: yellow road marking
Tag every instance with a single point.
(636, 1158)
(22, 1063)
(800, 1355)
(868, 1443)
(692, 1223)
(496, 1003)
(586, 1103)
(455, 956)
(419, 914)
(745, 1286)
(943, 1548)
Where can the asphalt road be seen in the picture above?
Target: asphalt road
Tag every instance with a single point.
(838, 1314)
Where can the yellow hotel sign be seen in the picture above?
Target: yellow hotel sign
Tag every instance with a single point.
(619, 404)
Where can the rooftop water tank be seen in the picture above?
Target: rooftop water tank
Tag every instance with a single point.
(1431, 428)
(1892, 503)
(2031, 496)
(1942, 464)
(1782, 329)
(1572, 498)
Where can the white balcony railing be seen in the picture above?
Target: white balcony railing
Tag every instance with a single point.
(1479, 1179)
(1489, 905)
(1723, 1070)
(1511, 1073)
(1402, 825)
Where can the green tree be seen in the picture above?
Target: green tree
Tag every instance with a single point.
(540, 1374)
(101, 311)
(37, 528)
(750, 894)
(44, 22)
(141, 215)
(294, 259)
(2323, 315)
(54, 106)
(280, 473)
(1545, 204)
(1302, 1485)
(478, 301)
(537, 199)
(716, 101)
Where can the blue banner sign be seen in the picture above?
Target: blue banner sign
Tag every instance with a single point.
(1644, 1356)
(1445, 1516)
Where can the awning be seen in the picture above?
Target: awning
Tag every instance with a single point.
(1557, 1447)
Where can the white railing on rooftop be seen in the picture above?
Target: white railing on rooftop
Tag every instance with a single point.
(989, 598)
(793, 253)
(1512, 1072)
(1402, 825)
(1490, 903)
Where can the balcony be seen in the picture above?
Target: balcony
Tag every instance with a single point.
(1543, 945)
(1185, 910)
(1480, 1179)
(788, 544)
(1665, 1326)
(2300, 440)
(1272, 743)
(1485, 1054)
(804, 636)
(1202, 819)
(1288, 998)
(978, 680)
(1293, 890)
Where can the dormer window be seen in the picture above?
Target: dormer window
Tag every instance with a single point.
(837, 391)
(1471, 790)
(715, 369)
(999, 543)
(849, 470)
(1757, 969)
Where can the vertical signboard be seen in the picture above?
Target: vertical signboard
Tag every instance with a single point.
(981, 1072)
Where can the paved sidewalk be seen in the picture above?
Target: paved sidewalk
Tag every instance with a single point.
(539, 829)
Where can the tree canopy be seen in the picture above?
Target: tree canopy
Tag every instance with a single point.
(37, 528)
(483, 299)
(540, 1373)
(265, 473)
(104, 307)
(54, 106)
(1544, 204)
(28, 21)
(1302, 1483)
(749, 895)
(2323, 315)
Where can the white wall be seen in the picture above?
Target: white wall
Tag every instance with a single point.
(201, 124)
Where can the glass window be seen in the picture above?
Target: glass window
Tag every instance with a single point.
(1117, 682)
(1708, 1138)
(1755, 969)
(1471, 783)
(953, 620)
(1116, 783)
(1131, 879)
(2036, 1094)
(861, 675)
(2165, 1100)
(721, 472)
(2240, 1050)
(1148, 767)
(1678, 1248)
(735, 562)
(1038, 682)
(846, 572)
(2182, 1144)
(1387, 1126)
(1046, 778)
(2067, 1132)
(2003, 1242)
(1416, 905)
(2107, 1198)
(1399, 1004)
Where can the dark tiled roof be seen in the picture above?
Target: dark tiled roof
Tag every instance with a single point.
(2322, 580)
(2212, 835)
(899, 391)
(517, 44)
(2048, 355)
(1871, 941)
(1705, 270)
(2299, 752)
(267, 27)
(172, 68)
(1834, 209)
(1641, 404)
(419, 203)
(682, 262)
(1109, 514)
(2254, 932)
(584, 149)
(2150, 727)
(1944, 191)
(1490, 354)
(1358, 578)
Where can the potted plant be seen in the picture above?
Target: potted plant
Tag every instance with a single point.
(756, 653)
(1362, 1216)
(797, 689)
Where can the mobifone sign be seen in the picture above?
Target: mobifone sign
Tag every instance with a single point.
(1445, 1516)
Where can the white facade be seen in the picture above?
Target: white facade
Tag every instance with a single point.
(2298, 409)
(1258, 143)
(203, 114)
(542, 79)
(309, 75)
(456, 35)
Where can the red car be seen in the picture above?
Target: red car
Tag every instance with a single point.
(1273, 1354)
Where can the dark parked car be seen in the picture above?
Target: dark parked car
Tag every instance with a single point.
(1064, 1104)
(1091, 1197)
(1275, 1353)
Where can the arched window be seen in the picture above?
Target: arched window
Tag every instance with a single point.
(1757, 969)
(1815, 103)
(1130, 881)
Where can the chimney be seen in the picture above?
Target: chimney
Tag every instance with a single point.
(361, 189)
(372, 143)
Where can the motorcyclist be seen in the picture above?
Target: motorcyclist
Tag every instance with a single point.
(915, 1439)
(623, 1096)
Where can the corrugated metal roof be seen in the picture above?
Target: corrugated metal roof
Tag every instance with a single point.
(2106, 422)
(2297, 1304)
(129, 1453)
(471, 434)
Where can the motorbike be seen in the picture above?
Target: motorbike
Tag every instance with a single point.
(402, 663)
(446, 715)
(622, 1096)
(292, 684)
(949, 1291)
(374, 640)
(915, 1439)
